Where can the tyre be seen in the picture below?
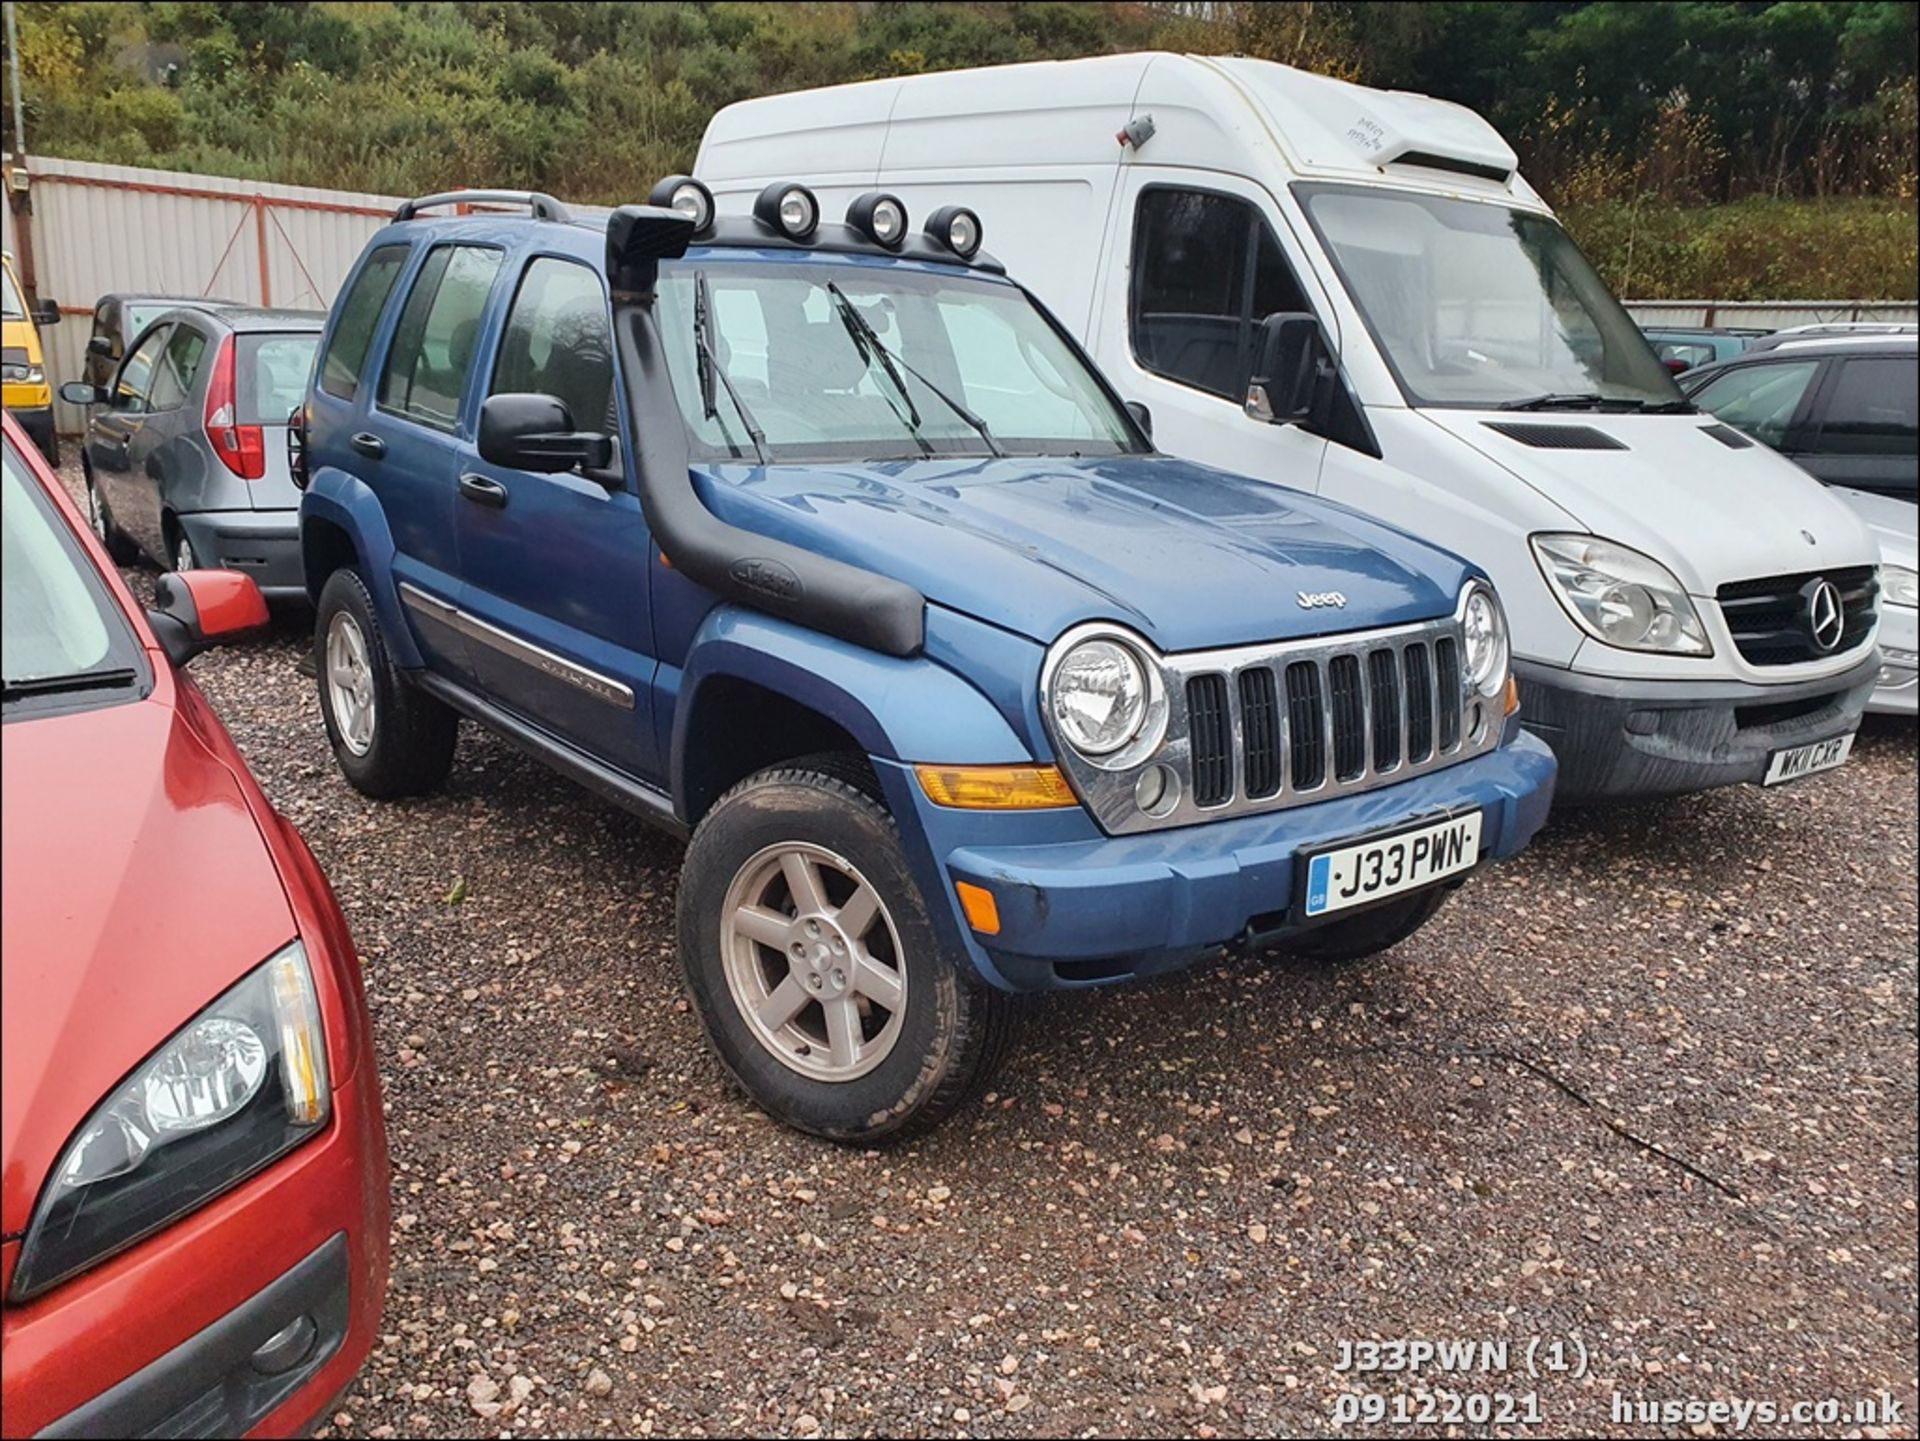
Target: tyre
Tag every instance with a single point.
(1372, 931)
(120, 549)
(183, 556)
(391, 738)
(810, 957)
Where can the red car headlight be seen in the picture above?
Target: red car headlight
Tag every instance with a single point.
(238, 1086)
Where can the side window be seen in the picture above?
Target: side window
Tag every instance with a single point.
(360, 311)
(432, 351)
(1872, 408)
(131, 386)
(557, 342)
(179, 367)
(1206, 271)
(1760, 399)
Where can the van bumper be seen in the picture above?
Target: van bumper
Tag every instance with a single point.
(1631, 739)
(37, 421)
(1079, 908)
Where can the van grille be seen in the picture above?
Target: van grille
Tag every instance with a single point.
(1772, 619)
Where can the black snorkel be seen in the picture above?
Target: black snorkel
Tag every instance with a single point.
(783, 580)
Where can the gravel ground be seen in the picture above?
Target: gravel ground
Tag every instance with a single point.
(1648, 1092)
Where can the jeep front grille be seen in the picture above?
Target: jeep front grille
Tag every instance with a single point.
(1267, 727)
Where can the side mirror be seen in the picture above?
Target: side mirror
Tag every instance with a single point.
(524, 431)
(1142, 417)
(46, 313)
(78, 392)
(100, 345)
(195, 610)
(1292, 370)
(297, 447)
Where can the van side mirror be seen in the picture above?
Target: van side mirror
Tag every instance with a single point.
(100, 345)
(196, 610)
(1142, 417)
(1293, 369)
(46, 313)
(524, 431)
(78, 392)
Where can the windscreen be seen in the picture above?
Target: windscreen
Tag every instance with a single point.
(12, 307)
(271, 374)
(139, 317)
(1476, 304)
(869, 362)
(56, 618)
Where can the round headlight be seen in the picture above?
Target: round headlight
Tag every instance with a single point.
(1485, 631)
(789, 209)
(880, 217)
(684, 194)
(957, 228)
(1098, 697)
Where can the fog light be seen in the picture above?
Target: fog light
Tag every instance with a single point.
(880, 217)
(1157, 791)
(957, 228)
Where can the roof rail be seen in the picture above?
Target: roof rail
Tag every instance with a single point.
(544, 207)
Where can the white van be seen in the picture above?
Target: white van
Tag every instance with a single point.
(1424, 343)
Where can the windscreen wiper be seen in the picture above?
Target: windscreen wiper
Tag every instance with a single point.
(1682, 406)
(711, 369)
(114, 679)
(1588, 401)
(856, 323)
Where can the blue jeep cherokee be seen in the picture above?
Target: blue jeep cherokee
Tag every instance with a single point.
(824, 545)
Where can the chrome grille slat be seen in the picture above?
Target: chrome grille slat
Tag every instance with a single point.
(1265, 727)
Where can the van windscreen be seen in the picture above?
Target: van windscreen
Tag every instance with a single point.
(1481, 305)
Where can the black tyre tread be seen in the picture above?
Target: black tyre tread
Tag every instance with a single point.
(989, 1026)
(416, 734)
(1368, 934)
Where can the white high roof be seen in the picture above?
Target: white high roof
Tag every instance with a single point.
(1209, 112)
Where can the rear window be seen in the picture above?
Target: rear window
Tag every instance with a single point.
(1874, 408)
(357, 316)
(271, 376)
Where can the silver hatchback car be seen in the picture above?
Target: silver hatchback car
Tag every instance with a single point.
(186, 457)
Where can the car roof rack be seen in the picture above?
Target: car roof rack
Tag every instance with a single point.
(544, 206)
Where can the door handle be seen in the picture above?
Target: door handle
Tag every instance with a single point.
(369, 444)
(483, 490)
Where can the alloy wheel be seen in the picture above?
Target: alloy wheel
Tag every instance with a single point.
(350, 683)
(813, 961)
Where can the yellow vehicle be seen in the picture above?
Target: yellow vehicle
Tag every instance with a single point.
(27, 393)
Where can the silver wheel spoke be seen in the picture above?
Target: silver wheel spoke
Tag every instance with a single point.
(340, 673)
(843, 1030)
(767, 927)
(803, 879)
(858, 913)
(787, 1000)
(877, 983)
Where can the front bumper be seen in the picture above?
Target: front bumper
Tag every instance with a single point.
(1899, 681)
(1628, 739)
(264, 544)
(1078, 907)
(172, 1336)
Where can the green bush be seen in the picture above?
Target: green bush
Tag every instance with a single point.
(1851, 249)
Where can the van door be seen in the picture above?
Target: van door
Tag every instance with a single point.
(1194, 265)
(556, 566)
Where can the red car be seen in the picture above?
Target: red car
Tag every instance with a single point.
(193, 1170)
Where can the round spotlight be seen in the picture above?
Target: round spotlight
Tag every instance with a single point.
(686, 195)
(880, 217)
(789, 209)
(957, 228)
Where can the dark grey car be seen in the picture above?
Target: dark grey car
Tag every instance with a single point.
(185, 456)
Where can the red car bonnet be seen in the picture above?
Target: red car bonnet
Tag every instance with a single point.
(138, 887)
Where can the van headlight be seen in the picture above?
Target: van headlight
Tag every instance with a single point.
(23, 374)
(1483, 627)
(1100, 695)
(238, 1086)
(1900, 585)
(1619, 596)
